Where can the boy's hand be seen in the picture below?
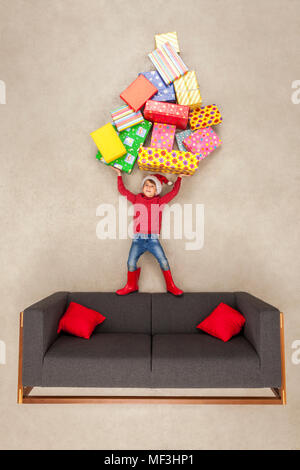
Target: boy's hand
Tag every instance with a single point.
(117, 170)
(183, 175)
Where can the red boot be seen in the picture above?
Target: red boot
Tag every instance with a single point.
(132, 283)
(170, 284)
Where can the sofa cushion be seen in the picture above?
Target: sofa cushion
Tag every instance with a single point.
(106, 360)
(182, 314)
(80, 321)
(124, 314)
(223, 323)
(188, 360)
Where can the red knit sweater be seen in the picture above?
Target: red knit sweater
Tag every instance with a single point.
(148, 210)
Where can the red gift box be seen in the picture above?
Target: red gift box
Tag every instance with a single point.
(168, 113)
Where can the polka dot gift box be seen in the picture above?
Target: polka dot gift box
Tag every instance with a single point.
(168, 113)
(165, 92)
(204, 116)
(163, 136)
(202, 142)
(160, 160)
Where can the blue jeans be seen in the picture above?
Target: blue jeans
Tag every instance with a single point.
(143, 242)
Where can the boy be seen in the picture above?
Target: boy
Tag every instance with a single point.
(148, 207)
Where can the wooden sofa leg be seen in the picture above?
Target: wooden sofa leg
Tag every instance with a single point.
(283, 375)
(280, 393)
(20, 385)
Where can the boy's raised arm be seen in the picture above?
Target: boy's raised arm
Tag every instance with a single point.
(169, 196)
(121, 187)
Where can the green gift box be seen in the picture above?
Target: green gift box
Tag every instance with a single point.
(132, 139)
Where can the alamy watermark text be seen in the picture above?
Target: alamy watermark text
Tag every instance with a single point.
(188, 222)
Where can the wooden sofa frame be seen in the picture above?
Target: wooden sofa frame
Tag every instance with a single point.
(279, 397)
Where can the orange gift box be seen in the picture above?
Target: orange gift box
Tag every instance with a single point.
(138, 92)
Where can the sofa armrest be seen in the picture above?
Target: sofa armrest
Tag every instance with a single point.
(40, 322)
(262, 330)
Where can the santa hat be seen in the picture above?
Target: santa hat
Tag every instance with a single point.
(159, 180)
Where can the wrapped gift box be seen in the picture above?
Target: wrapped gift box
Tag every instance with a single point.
(205, 116)
(172, 38)
(124, 117)
(163, 136)
(161, 160)
(202, 142)
(180, 136)
(167, 113)
(187, 90)
(165, 92)
(132, 139)
(108, 142)
(168, 63)
(138, 92)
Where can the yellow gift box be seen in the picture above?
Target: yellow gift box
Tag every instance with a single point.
(187, 90)
(172, 38)
(109, 143)
(204, 116)
(175, 162)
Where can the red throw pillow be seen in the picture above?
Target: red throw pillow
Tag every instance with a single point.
(223, 323)
(79, 320)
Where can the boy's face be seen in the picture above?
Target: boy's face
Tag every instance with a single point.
(149, 188)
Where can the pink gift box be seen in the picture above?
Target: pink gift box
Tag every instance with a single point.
(202, 142)
(163, 136)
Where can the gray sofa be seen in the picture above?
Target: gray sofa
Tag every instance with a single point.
(151, 341)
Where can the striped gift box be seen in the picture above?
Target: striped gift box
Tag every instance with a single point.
(124, 117)
(168, 63)
(187, 90)
(172, 38)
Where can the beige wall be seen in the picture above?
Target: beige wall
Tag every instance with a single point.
(64, 64)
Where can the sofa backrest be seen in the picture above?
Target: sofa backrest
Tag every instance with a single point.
(182, 314)
(126, 314)
(151, 313)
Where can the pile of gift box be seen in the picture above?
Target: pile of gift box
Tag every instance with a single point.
(168, 100)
